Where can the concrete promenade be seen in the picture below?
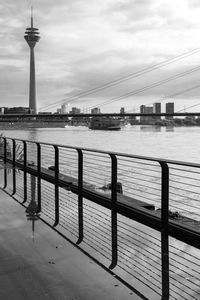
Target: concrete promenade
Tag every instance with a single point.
(48, 267)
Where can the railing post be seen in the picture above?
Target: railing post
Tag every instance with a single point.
(13, 166)
(114, 210)
(25, 172)
(56, 160)
(5, 161)
(165, 230)
(80, 197)
(39, 177)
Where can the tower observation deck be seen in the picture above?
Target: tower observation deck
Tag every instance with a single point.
(32, 37)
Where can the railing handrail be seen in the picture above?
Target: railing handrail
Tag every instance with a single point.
(140, 157)
(119, 205)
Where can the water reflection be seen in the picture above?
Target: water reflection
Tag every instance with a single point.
(32, 135)
(149, 128)
(32, 209)
(154, 128)
(169, 129)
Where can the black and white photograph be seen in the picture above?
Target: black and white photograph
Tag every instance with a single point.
(100, 150)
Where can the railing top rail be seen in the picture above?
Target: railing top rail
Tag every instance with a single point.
(153, 159)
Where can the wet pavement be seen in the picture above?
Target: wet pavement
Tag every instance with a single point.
(47, 267)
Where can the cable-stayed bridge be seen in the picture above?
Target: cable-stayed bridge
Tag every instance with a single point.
(88, 115)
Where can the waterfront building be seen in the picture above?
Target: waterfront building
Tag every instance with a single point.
(146, 110)
(169, 110)
(157, 110)
(95, 110)
(75, 110)
(63, 109)
(44, 113)
(149, 109)
(15, 110)
(122, 110)
(142, 109)
(32, 37)
(2, 110)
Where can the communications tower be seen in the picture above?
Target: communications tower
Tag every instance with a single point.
(32, 37)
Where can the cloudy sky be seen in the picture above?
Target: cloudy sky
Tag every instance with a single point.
(89, 43)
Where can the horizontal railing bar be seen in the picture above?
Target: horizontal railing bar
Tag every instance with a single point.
(184, 176)
(138, 278)
(183, 190)
(149, 238)
(184, 196)
(144, 252)
(184, 183)
(136, 180)
(143, 175)
(123, 161)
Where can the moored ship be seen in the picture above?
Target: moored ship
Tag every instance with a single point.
(104, 123)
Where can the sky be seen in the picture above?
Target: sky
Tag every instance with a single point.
(87, 44)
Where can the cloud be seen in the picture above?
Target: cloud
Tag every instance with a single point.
(87, 43)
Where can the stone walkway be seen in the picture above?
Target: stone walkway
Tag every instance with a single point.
(48, 267)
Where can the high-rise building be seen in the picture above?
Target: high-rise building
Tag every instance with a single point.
(2, 109)
(63, 109)
(75, 110)
(147, 110)
(122, 110)
(157, 110)
(169, 109)
(32, 37)
(95, 110)
(142, 109)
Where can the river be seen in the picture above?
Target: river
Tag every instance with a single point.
(178, 143)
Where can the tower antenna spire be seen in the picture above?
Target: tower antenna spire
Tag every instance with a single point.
(32, 36)
(31, 16)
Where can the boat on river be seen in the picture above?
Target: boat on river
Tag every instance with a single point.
(104, 123)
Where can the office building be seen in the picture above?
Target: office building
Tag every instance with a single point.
(146, 110)
(15, 110)
(95, 110)
(75, 110)
(169, 110)
(157, 110)
(63, 109)
(122, 110)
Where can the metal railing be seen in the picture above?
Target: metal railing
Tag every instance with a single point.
(147, 232)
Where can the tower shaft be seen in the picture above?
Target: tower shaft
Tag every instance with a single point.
(32, 37)
(32, 85)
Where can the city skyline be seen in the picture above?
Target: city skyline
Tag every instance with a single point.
(85, 45)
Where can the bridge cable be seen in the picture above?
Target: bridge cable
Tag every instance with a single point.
(171, 96)
(123, 79)
(141, 90)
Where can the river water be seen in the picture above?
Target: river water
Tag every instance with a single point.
(177, 143)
